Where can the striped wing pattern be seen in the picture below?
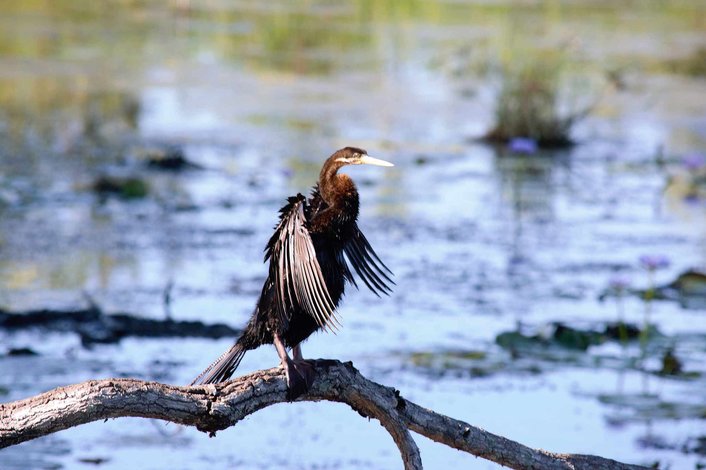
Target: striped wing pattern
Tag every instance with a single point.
(371, 270)
(298, 280)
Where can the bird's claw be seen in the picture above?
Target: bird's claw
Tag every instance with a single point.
(300, 376)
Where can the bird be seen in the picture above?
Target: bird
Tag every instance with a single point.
(311, 252)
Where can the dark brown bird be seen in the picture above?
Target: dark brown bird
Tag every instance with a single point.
(310, 252)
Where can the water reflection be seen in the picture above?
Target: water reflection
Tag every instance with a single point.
(528, 183)
(79, 127)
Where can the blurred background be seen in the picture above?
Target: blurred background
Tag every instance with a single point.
(545, 220)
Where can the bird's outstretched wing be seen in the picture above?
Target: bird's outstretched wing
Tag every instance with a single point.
(367, 264)
(298, 280)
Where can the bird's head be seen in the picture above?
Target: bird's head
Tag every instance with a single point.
(330, 182)
(355, 156)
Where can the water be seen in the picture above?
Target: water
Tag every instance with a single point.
(479, 240)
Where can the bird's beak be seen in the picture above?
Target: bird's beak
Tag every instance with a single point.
(367, 160)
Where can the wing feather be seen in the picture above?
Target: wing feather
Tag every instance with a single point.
(311, 272)
(299, 282)
(363, 270)
(366, 263)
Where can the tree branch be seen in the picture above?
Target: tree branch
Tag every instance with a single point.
(212, 408)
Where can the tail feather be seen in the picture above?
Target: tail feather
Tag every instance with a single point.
(223, 367)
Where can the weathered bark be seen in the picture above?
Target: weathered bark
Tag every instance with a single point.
(211, 408)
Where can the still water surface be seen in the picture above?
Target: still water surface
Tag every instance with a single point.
(258, 95)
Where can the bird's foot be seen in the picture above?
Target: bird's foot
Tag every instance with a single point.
(300, 376)
(307, 370)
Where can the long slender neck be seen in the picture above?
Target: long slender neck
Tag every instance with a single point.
(338, 190)
(330, 182)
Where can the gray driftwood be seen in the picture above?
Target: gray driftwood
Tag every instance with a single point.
(212, 408)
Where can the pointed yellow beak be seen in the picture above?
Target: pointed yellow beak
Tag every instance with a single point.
(367, 160)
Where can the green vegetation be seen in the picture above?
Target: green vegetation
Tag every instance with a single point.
(693, 65)
(127, 188)
(530, 105)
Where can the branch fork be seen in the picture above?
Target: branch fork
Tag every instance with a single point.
(211, 408)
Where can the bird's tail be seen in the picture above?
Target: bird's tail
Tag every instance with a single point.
(223, 367)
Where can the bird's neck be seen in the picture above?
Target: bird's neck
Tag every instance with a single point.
(340, 194)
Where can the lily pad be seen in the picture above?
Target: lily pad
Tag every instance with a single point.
(574, 338)
(621, 331)
(473, 363)
(127, 188)
(562, 335)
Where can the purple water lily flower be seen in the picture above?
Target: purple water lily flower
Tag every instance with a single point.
(619, 282)
(654, 262)
(692, 199)
(694, 161)
(523, 145)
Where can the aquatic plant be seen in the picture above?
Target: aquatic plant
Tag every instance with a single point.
(693, 65)
(127, 188)
(530, 104)
(687, 181)
(522, 145)
(652, 263)
(671, 364)
(694, 162)
(618, 285)
(695, 166)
